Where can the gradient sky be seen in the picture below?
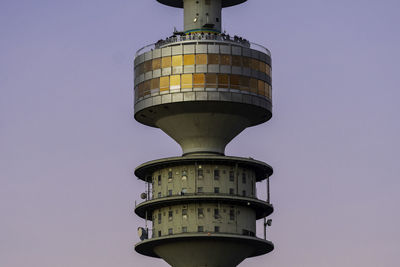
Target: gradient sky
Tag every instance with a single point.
(69, 143)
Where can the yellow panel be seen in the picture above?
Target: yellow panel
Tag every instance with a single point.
(211, 80)
(253, 85)
(246, 62)
(164, 83)
(255, 64)
(235, 82)
(213, 58)
(176, 61)
(225, 60)
(188, 60)
(166, 62)
(268, 69)
(266, 88)
(261, 87)
(187, 81)
(148, 66)
(262, 66)
(223, 80)
(201, 59)
(237, 61)
(199, 80)
(175, 82)
(244, 83)
(155, 83)
(156, 63)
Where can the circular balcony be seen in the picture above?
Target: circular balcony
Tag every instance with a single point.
(262, 208)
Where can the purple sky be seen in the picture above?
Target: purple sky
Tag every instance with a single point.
(69, 143)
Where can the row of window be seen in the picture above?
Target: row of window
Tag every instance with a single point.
(200, 229)
(200, 190)
(202, 59)
(203, 80)
(200, 175)
(200, 215)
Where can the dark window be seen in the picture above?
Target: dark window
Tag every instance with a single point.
(184, 213)
(244, 177)
(159, 194)
(170, 232)
(200, 229)
(184, 229)
(159, 218)
(232, 214)
(216, 174)
(216, 190)
(159, 233)
(200, 213)
(216, 213)
(244, 193)
(159, 180)
(170, 215)
(216, 229)
(170, 192)
(217, 19)
(231, 191)
(231, 176)
(170, 176)
(200, 189)
(200, 173)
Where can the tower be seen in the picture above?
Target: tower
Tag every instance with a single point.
(203, 87)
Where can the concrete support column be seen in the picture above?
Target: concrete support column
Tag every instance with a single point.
(202, 15)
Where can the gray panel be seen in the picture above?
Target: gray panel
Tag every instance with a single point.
(156, 73)
(201, 96)
(188, 69)
(154, 92)
(256, 100)
(246, 52)
(213, 68)
(263, 57)
(166, 51)
(189, 96)
(213, 96)
(157, 100)
(188, 49)
(148, 55)
(148, 75)
(246, 71)
(156, 53)
(201, 48)
(236, 70)
(141, 78)
(236, 50)
(166, 71)
(177, 50)
(254, 73)
(237, 97)
(140, 59)
(201, 68)
(178, 97)
(224, 49)
(247, 99)
(213, 49)
(225, 96)
(166, 98)
(225, 69)
(177, 70)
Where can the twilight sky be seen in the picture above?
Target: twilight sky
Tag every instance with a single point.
(69, 143)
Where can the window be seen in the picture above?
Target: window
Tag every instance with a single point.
(232, 214)
(199, 80)
(166, 62)
(164, 83)
(216, 190)
(159, 233)
(200, 173)
(188, 60)
(184, 175)
(261, 88)
(155, 84)
(246, 62)
(216, 229)
(216, 213)
(187, 81)
(255, 65)
(176, 61)
(200, 229)
(170, 176)
(159, 218)
(159, 194)
(231, 176)
(211, 80)
(235, 82)
(244, 193)
(262, 66)
(253, 85)
(169, 192)
(268, 69)
(184, 229)
(213, 58)
(201, 59)
(175, 82)
(184, 213)
(223, 80)
(225, 60)
(237, 61)
(243, 177)
(200, 213)
(159, 180)
(148, 66)
(200, 189)
(170, 215)
(244, 83)
(216, 174)
(157, 63)
(231, 191)
(170, 232)
(146, 87)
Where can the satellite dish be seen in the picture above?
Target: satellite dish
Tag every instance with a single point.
(269, 222)
(142, 233)
(143, 195)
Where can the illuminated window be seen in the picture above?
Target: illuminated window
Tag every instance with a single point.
(237, 61)
(201, 59)
(176, 61)
(188, 60)
(213, 58)
(164, 83)
(225, 60)
(156, 63)
(155, 83)
(235, 82)
(148, 66)
(261, 88)
(244, 83)
(166, 62)
(175, 82)
(187, 82)
(254, 64)
(253, 85)
(246, 62)
(199, 80)
(211, 80)
(223, 80)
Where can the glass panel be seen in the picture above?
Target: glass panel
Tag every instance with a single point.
(148, 66)
(175, 82)
(235, 82)
(246, 62)
(140, 69)
(267, 90)
(188, 60)
(155, 83)
(201, 59)
(157, 63)
(187, 82)
(176, 61)
(146, 88)
(211, 80)
(254, 64)
(140, 89)
(244, 83)
(262, 66)
(237, 61)
(268, 69)
(253, 85)
(166, 62)
(213, 58)
(223, 80)
(199, 80)
(225, 60)
(164, 83)
(261, 87)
